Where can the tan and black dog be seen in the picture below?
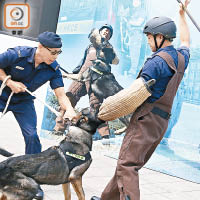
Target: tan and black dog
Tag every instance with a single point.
(63, 164)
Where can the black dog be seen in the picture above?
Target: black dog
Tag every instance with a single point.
(15, 185)
(20, 176)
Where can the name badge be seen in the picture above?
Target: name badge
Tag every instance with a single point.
(20, 68)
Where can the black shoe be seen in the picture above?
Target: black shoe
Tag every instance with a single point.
(40, 194)
(95, 198)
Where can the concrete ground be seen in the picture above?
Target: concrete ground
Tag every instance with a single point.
(153, 185)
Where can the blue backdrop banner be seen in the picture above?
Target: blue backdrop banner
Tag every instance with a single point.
(178, 154)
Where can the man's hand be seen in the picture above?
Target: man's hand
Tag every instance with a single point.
(65, 103)
(75, 77)
(70, 114)
(15, 86)
(182, 5)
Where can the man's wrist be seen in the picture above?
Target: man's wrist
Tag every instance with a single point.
(182, 14)
(8, 82)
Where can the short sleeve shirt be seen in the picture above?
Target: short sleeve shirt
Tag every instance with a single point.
(156, 68)
(20, 64)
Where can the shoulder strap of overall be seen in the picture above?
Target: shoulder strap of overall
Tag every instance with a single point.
(169, 60)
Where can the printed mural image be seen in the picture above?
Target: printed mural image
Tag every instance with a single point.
(128, 18)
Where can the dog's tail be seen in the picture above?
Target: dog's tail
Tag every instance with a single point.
(5, 153)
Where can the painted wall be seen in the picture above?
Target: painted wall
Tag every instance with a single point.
(128, 17)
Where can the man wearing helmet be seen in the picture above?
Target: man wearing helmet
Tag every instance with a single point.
(106, 31)
(100, 51)
(162, 29)
(149, 122)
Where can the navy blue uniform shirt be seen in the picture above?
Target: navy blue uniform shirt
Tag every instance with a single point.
(156, 68)
(20, 64)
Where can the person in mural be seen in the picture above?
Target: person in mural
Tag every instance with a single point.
(149, 122)
(92, 53)
(131, 16)
(26, 67)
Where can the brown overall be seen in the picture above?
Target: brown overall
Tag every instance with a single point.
(147, 127)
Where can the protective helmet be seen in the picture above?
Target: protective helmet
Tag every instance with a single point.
(108, 26)
(161, 25)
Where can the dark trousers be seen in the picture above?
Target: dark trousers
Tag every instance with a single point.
(140, 141)
(25, 115)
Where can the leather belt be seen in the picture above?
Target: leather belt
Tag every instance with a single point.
(161, 113)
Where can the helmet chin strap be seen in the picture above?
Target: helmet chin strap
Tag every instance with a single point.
(156, 44)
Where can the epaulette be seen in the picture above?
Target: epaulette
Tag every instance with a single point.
(19, 53)
(55, 65)
(23, 52)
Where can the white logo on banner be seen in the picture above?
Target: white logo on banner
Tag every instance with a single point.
(74, 27)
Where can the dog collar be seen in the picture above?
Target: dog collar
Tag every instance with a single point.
(96, 70)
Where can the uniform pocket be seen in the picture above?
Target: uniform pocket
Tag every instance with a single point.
(19, 72)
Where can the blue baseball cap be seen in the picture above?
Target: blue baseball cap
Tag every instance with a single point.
(50, 39)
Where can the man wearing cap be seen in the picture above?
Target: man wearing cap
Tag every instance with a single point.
(149, 122)
(27, 67)
(99, 39)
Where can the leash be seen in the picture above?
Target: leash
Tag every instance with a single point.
(189, 15)
(49, 107)
(64, 70)
(3, 85)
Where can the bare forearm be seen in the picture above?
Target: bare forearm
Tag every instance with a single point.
(63, 100)
(184, 32)
(183, 27)
(15, 86)
(115, 61)
(65, 103)
(2, 74)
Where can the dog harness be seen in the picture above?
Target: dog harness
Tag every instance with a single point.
(72, 158)
(75, 160)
